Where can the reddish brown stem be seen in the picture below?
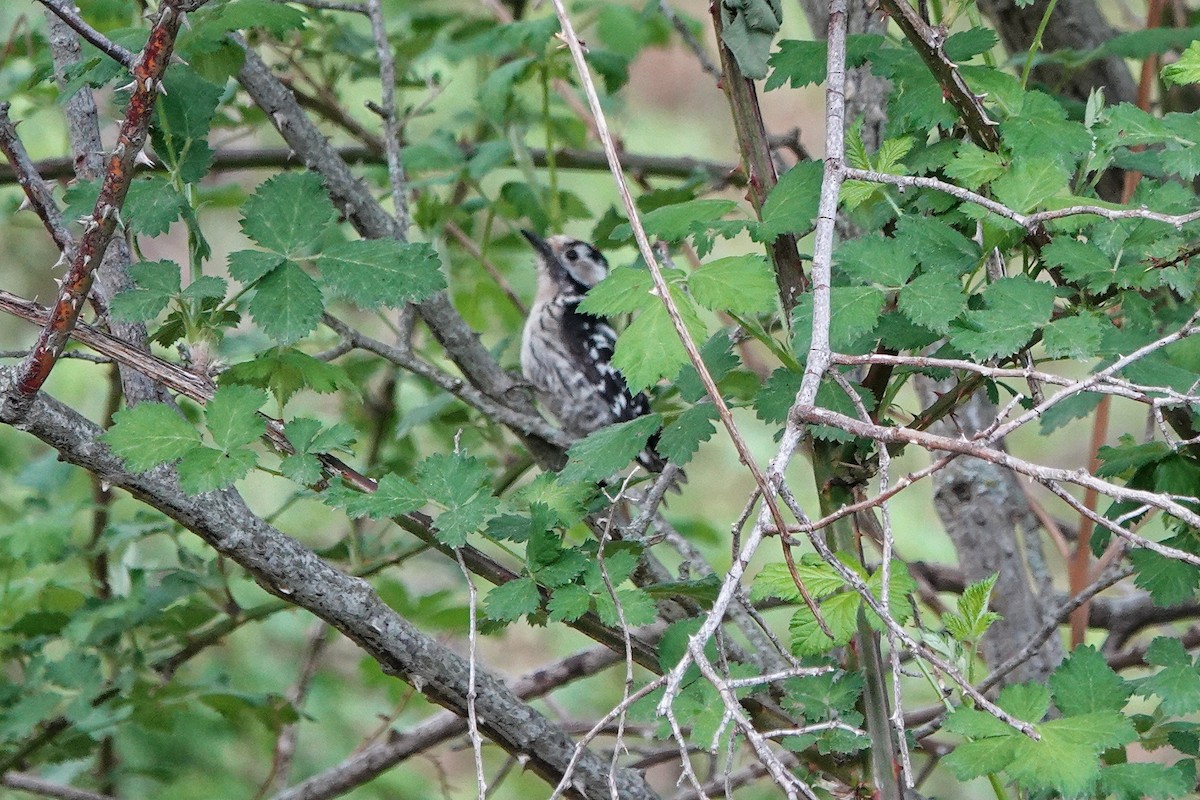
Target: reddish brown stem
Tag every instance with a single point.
(1078, 574)
(148, 70)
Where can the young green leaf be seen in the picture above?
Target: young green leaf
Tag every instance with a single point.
(381, 272)
(288, 214)
(739, 284)
(150, 434)
(609, 449)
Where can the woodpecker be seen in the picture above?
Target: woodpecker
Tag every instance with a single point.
(567, 355)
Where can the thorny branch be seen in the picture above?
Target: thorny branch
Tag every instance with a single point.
(148, 69)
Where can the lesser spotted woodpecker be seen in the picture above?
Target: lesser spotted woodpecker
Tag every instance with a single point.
(566, 354)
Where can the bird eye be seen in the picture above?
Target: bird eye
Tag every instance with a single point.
(572, 255)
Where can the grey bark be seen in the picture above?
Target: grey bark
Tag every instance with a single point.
(287, 569)
(987, 516)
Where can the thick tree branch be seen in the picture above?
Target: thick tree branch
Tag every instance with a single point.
(287, 569)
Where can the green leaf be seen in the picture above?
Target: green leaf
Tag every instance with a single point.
(1123, 460)
(288, 304)
(964, 45)
(682, 438)
(973, 617)
(183, 115)
(854, 313)
(1177, 682)
(232, 416)
(1076, 337)
(247, 266)
(1041, 130)
(392, 497)
(792, 203)
(602, 453)
(972, 166)
(777, 395)
(1029, 182)
(206, 470)
(1080, 262)
(625, 290)
(461, 485)
(381, 272)
(150, 434)
(649, 349)
(637, 607)
(932, 300)
(265, 14)
(675, 222)
(1016, 308)
(512, 600)
(937, 246)
(717, 354)
(285, 370)
(1146, 781)
(876, 259)
(797, 62)
(155, 283)
(1066, 759)
(1186, 70)
(569, 603)
(151, 205)
(495, 93)
(841, 615)
(1084, 683)
(288, 214)
(739, 284)
(749, 27)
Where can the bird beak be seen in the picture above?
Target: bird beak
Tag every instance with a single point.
(539, 244)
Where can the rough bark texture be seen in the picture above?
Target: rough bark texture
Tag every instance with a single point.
(287, 569)
(987, 516)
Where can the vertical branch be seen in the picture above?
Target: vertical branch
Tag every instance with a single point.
(391, 123)
(148, 70)
(761, 177)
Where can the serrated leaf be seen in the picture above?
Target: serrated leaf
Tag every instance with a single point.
(1016, 308)
(937, 246)
(876, 259)
(602, 453)
(841, 615)
(964, 45)
(1076, 337)
(393, 496)
(288, 304)
(150, 434)
(247, 266)
(792, 203)
(675, 222)
(1146, 781)
(1168, 580)
(284, 371)
(1080, 262)
(1066, 759)
(1084, 683)
(205, 287)
(854, 313)
(739, 284)
(682, 438)
(288, 214)
(625, 290)
(649, 349)
(1029, 182)
(1129, 456)
(972, 166)
(151, 205)
(932, 300)
(381, 272)
(183, 115)
(1186, 70)
(232, 416)
(797, 62)
(206, 470)
(569, 603)
(637, 607)
(495, 92)
(155, 283)
(512, 600)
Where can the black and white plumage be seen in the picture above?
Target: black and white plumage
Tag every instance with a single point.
(567, 355)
